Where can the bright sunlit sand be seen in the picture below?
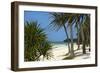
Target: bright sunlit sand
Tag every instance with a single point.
(59, 52)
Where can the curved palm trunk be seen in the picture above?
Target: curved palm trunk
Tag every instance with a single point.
(83, 40)
(78, 38)
(67, 38)
(71, 37)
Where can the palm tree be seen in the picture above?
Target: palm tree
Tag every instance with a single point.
(70, 22)
(36, 43)
(66, 20)
(84, 30)
(77, 26)
(63, 20)
(82, 22)
(58, 21)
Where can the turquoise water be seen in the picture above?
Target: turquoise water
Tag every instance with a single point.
(58, 43)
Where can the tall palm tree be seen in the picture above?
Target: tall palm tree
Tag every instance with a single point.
(84, 31)
(58, 21)
(62, 20)
(71, 21)
(77, 26)
(36, 43)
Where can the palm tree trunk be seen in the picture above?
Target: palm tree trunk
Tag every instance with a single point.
(83, 40)
(84, 50)
(78, 37)
(71, 37)
(67, 38)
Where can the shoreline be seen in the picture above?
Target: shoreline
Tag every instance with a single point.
(59, 52)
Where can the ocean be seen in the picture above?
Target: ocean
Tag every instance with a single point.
(58, 44)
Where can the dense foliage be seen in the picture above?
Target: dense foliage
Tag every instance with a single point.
(36, 43)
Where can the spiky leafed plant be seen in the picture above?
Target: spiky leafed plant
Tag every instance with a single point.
(36, 43)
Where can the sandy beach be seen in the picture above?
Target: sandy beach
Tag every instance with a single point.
(58, 52)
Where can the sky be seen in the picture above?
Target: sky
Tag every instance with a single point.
(44, 19)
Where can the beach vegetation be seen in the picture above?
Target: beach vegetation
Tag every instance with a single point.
(82, 24)
(36, 43)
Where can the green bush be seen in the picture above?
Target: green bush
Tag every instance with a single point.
(36, 43)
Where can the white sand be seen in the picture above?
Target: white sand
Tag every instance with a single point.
(59, 52)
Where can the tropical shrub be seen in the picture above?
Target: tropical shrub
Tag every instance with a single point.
(36, 43)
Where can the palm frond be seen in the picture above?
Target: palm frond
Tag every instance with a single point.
(34, 37)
